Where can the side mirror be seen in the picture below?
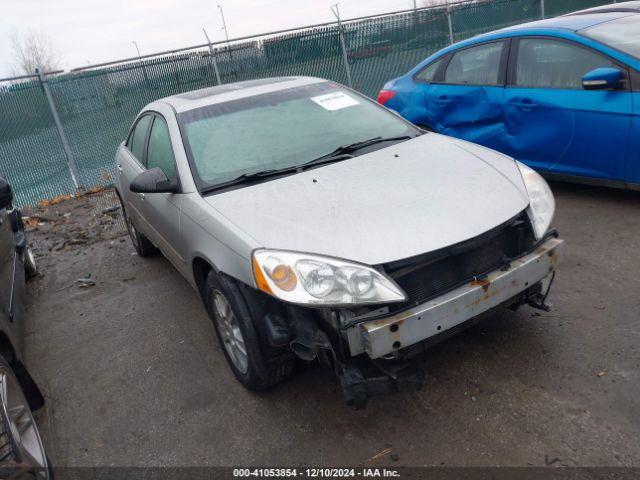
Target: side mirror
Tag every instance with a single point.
(602, 79)
(6, 194)
(153, 181)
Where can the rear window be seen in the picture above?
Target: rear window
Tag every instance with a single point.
(478, 65)
(139, 137)
(428, 73)
(622, 34)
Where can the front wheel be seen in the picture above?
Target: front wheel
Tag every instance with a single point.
(21, 449)
(238, 336)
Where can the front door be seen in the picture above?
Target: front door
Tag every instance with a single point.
(161, 211)
(553, 124)
(130, 163)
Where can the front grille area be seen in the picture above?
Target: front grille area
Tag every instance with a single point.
(429, 275)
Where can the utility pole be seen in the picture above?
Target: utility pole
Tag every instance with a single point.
(212, 55)
(73, 167)
(226, 32)
(144, 69)
(335, 9)
(415, 4)
(135, 44)
(450, 23)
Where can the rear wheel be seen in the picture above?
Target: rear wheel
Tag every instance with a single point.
(141, 243)
(238, 336)
(21, 448)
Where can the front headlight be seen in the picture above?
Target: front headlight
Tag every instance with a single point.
(309, 279)
(542, 205)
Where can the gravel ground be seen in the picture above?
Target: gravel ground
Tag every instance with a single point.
(133, 375)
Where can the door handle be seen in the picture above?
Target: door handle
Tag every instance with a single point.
(526, 105)
(443, 100)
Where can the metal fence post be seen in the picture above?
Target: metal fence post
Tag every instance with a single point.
(542, 9)
(73, 168)
(450, 22)
(213, 58)
(345, 56)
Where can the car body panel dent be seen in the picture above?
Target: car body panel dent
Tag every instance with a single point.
(564, 131)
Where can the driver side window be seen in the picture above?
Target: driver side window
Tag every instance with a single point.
(160, 151)
(545, 63)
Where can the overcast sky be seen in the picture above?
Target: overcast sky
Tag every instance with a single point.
(94, 31)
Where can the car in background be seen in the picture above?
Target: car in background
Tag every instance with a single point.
(21, 450)
(561, 95)
(316, 224)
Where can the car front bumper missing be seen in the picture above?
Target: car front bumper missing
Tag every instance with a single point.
(381, 337)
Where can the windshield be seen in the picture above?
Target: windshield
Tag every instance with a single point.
(281, 129)
(622, 34)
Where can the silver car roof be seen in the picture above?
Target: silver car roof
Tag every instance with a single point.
(183, 102)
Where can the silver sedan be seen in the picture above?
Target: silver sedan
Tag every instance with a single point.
(317, 224)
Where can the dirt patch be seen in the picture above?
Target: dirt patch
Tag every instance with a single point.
(74, 222)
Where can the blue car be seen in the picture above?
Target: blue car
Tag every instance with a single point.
(561, 95)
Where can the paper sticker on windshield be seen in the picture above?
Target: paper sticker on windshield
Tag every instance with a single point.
(335, 101)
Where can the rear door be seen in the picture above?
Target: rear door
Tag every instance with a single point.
(466, 101)
(553, 124)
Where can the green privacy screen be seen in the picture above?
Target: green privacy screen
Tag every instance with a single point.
(97, 107)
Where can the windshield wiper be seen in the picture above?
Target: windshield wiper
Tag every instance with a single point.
(345, 150)
(339, 154)
(244, 178)
(251, 177)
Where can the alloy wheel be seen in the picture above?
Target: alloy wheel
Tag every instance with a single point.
(21, 448)
(230, 332)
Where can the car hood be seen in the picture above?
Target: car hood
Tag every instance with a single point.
(404, 200)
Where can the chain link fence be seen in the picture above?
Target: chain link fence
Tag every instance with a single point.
(43, 158)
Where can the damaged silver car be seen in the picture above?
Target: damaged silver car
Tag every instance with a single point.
(317, 224)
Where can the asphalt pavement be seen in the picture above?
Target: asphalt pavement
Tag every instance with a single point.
(133, 375)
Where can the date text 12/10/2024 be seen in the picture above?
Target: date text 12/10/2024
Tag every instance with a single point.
(315, 473)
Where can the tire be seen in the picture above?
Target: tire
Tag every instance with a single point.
(141, 243)
(24, 451)
(252, 371)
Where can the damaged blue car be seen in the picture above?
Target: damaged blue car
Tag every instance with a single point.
(561, 95)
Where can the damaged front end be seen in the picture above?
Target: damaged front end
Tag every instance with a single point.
(369, 346)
